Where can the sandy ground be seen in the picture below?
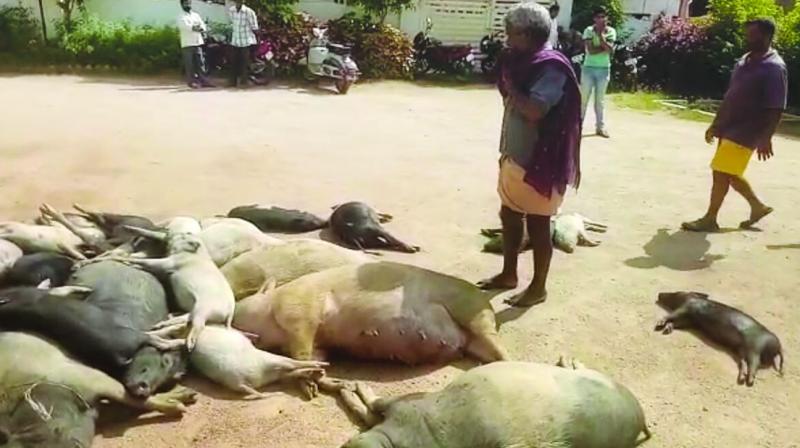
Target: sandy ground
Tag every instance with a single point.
(428, 156)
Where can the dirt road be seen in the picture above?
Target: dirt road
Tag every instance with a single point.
(428, 156)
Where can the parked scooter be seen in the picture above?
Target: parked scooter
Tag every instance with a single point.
(331, 61)
(262, 65)
(430, 55)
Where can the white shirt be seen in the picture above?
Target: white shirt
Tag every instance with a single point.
(243, 23)
(553, 39)
(186, 22)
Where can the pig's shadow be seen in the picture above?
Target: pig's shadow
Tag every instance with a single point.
(114, 419)
(208, 388)
(783, 246)
(680, 251)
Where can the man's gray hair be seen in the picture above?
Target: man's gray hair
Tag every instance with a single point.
(532, 18)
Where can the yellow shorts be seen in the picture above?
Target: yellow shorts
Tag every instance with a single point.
(731, 158)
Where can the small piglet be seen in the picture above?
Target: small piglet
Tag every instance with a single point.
(745, 337)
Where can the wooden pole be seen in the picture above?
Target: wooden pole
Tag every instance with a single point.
(44, 24)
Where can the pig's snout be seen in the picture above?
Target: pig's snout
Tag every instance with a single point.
(140, 389)
(662, 296)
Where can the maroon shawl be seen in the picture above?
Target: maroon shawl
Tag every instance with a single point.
(556, 154)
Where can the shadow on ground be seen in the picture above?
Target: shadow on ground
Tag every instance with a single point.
(680, 250)
(783, 246)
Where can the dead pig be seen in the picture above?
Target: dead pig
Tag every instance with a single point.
(99, 338)
(277, 219)
(9, 254)
(114, 224)
(32, 270)
(45, 415)
(227, 357)
(567, 231)
(54, 366)
(746, 338)
(375, 311)
(136, 300)
(359, 226)
(199, 287)
(285, 262)
(49, 238)
(505, 404)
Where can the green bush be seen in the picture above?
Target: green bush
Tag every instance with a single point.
(789, 46)
(143, 49)
(381, 51)
(582, 12)
(19, 30)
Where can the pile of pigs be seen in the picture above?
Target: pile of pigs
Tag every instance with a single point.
(106, 307)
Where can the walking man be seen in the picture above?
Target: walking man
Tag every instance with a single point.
(539, 145)
(596, 71)
(745, 122)
(244, 24)
(191, 27)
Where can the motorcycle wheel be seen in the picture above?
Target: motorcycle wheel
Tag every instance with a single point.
(488, 65)
(421, 67)
(343, 85)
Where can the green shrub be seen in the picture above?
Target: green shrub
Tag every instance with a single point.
(582, 12)
(289, 36)
(381, 51)
(789, 46)
(143, 49)
(19, 30)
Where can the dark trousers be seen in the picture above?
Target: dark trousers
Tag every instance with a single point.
(240, 63)
(194, 64)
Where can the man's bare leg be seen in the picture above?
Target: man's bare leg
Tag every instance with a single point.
(708, 223)
(758, 210)
(513, 228)
(542, 242)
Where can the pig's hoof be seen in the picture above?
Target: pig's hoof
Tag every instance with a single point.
(562, 362)
(309, 388)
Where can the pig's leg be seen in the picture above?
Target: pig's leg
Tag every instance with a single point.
(742, 369)
(356, 405)
(182, 320)
(487, 348)
(165, 344)
(585, 240)
(57, 216)
(171, 403)
(161, 266)
(673, 320)
(384, 218)
(66, 291)
(70, 251)
(168, 331)
(247, 390)
(753, 364)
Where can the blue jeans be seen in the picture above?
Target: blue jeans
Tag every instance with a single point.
(594, 80)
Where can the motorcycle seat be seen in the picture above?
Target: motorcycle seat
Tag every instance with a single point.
(339, 49)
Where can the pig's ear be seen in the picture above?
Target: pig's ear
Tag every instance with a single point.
(44, 285)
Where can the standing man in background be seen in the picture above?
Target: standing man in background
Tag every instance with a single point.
(553, 39)
(191, 28)
(596, 71)
(244, 25)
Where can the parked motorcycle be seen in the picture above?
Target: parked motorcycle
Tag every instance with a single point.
(625, 67)
(430, 55)
(327, 60)
(262, 65)
(491, 46)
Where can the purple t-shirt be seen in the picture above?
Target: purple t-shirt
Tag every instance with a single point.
(756, 86)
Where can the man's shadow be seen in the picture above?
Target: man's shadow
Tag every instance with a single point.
(680, 250)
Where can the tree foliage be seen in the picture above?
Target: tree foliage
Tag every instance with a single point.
(379, 9)
(582, 11)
